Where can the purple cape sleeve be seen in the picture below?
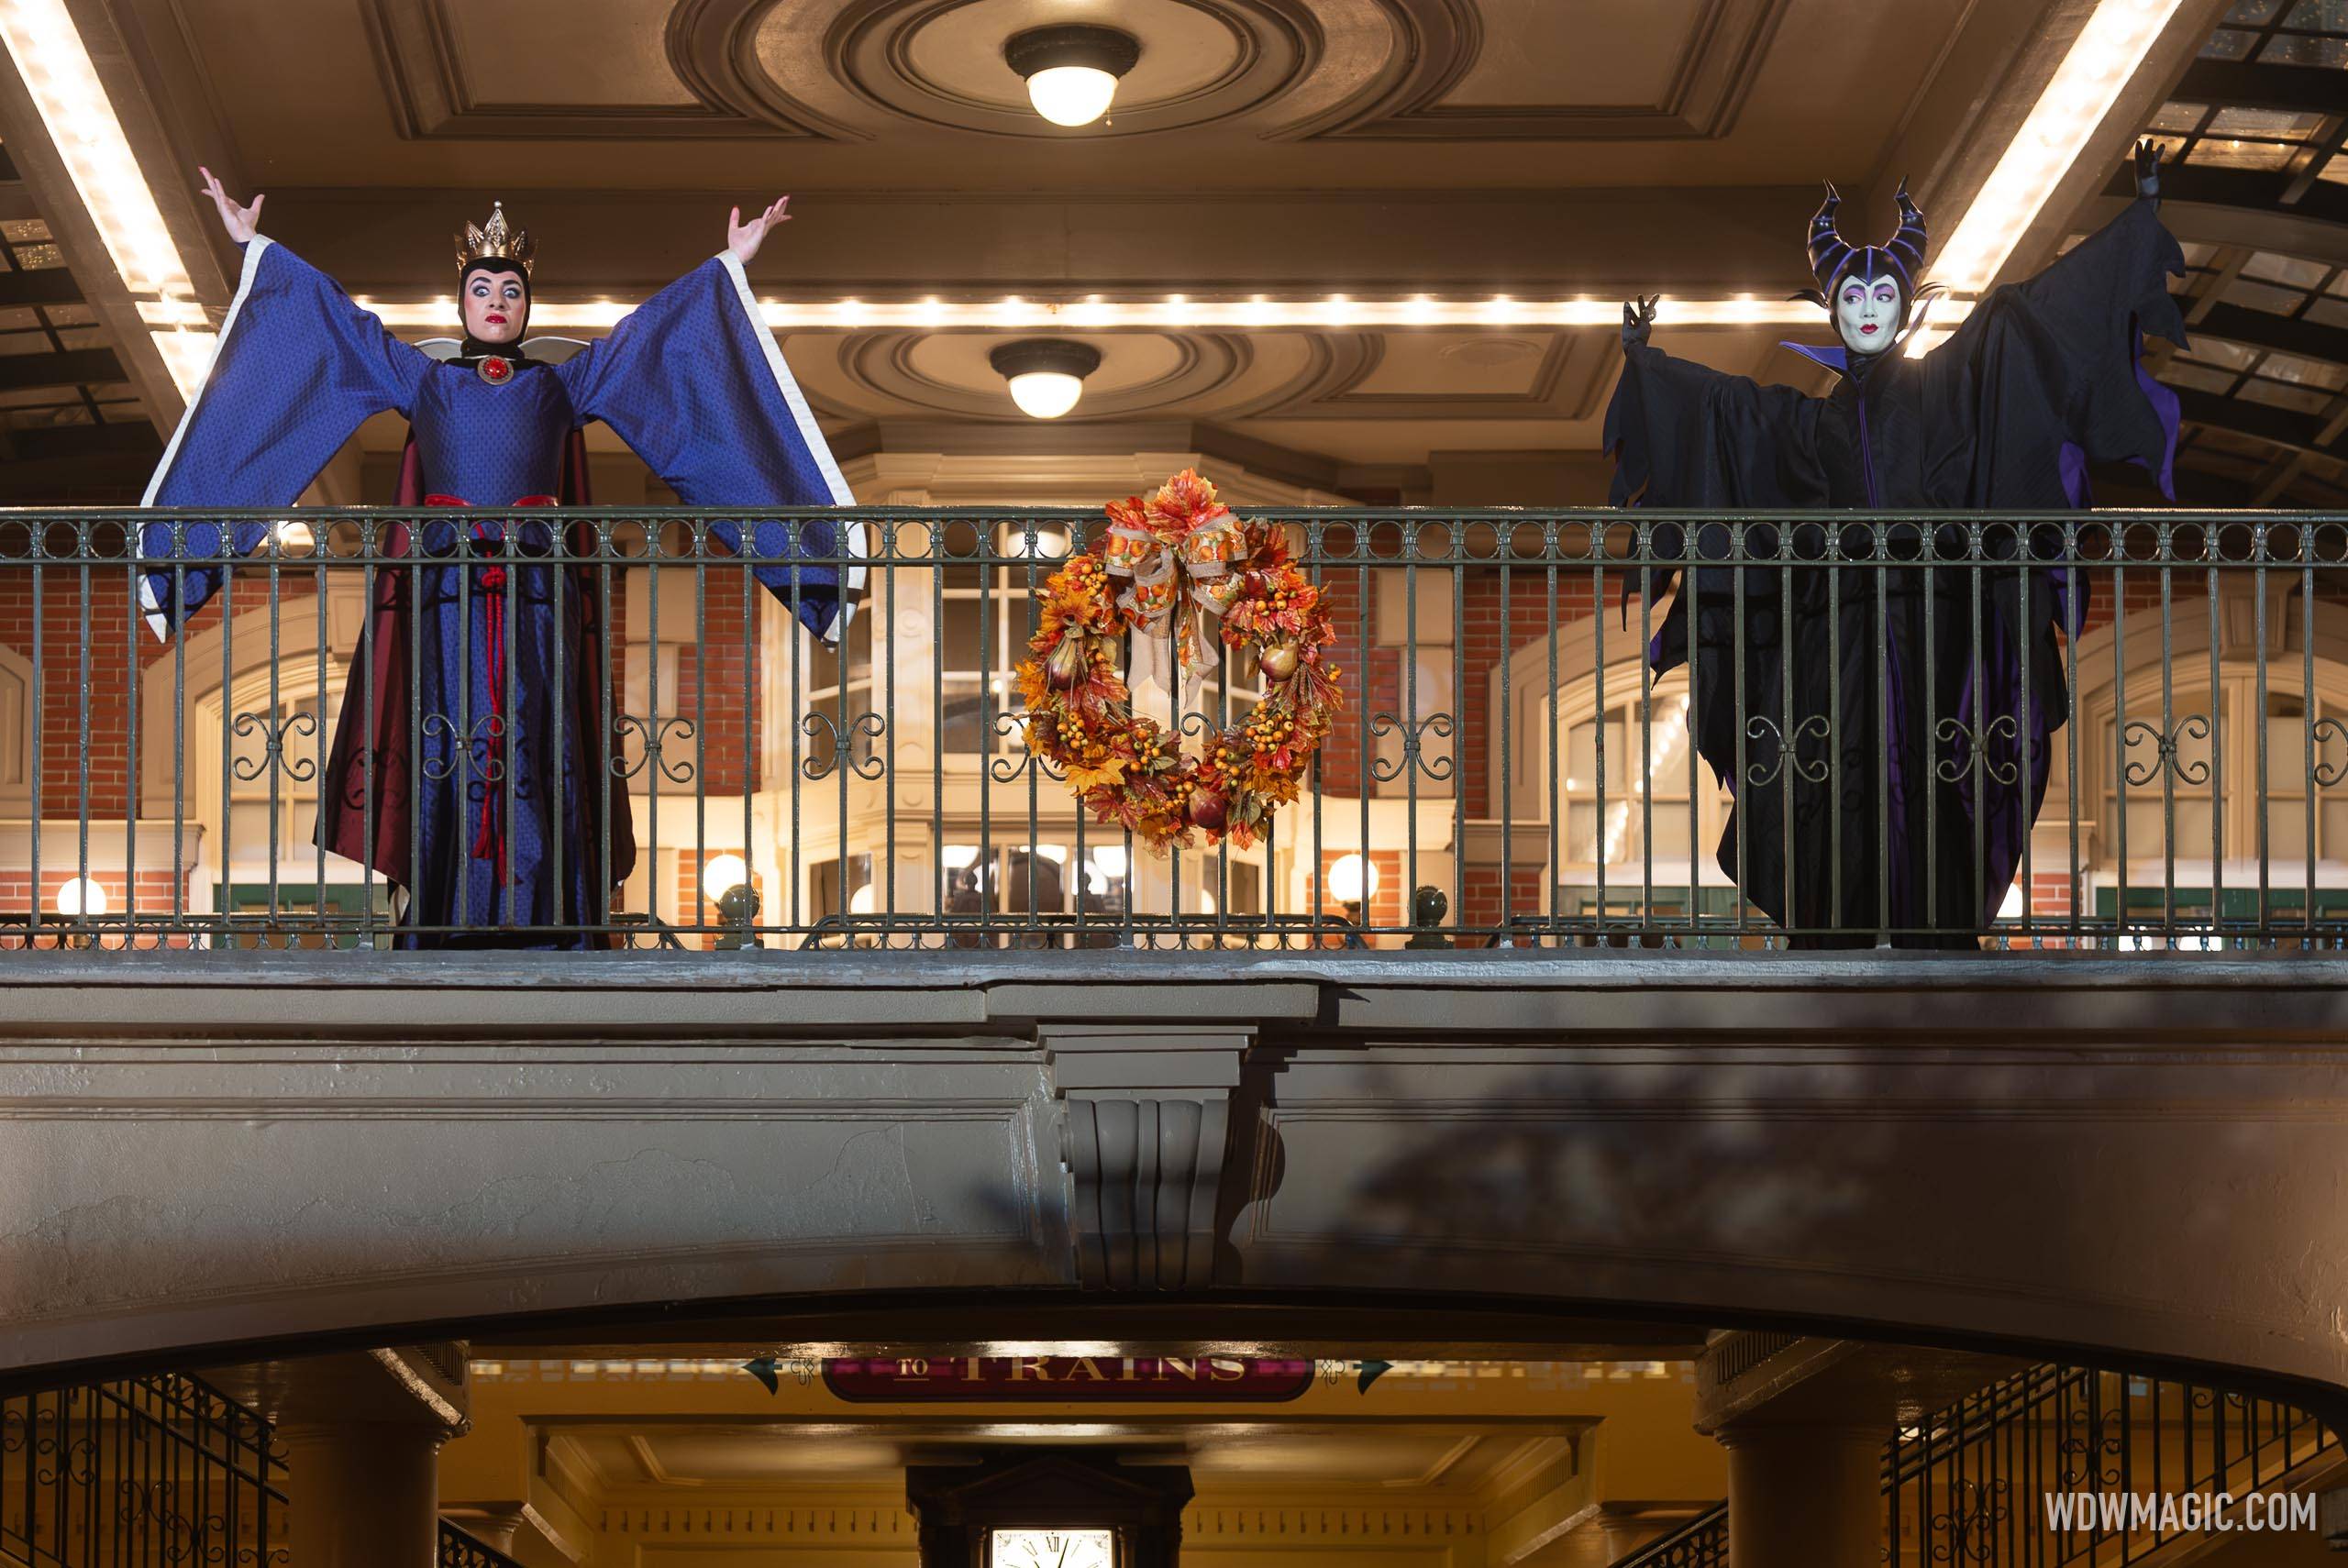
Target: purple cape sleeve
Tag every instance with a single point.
(298, 367)
(692, 381)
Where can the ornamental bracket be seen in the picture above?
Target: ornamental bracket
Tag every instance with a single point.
(1145, 1130)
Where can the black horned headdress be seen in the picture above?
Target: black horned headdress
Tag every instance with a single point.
(1833, 259)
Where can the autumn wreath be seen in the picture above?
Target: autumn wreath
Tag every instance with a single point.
(1181, 565)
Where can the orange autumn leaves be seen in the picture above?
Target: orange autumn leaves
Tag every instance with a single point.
(1126, 770)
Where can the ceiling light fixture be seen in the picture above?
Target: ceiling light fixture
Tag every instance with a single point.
(1071, 71)
(1047, 374)
(2081, 92)
(81, 124)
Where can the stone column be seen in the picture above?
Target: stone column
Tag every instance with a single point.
(1805, 1497)
(362, 1494)
(362, 1433)
(1805, 1422)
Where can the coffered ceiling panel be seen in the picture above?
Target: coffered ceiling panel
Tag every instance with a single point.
(604, 52)
(904, 96)
(1539, 51)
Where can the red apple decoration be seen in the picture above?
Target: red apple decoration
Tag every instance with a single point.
(1065, 668)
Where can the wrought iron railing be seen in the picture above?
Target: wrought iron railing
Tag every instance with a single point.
(1974, 1485)
(1702, 1542)
(146, 1472)
(459, 1548)
(1507, 772)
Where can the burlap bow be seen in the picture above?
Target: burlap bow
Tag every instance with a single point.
(1177, 552)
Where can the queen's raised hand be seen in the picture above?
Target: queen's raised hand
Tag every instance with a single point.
(744, 238)
(242, 222)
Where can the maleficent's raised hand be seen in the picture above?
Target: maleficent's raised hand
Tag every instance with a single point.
(1638, 319)
(242, 222)
(744, 238)
(2148, 170)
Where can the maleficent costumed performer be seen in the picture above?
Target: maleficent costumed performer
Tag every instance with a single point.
(470, 762)
(1910, 717)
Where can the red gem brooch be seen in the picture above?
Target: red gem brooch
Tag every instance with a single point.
(496, 371)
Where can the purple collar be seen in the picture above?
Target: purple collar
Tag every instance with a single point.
(1836, 359)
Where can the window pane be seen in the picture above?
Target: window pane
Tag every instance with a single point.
(1033, 881)
(1581, 832)
(2275, 395)
(2306, 372)
(2288, 270)
(2287, 833)
(2218, 351)
(2320, 17)
(960, 647)
(2329, 54)
(2202, 378)
(2228, 44)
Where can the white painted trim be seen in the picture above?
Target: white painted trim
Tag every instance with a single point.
(254, 248)
(811, 434)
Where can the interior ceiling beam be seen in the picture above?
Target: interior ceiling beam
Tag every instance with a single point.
(39, 286)
(70, 368)
(2261, 422)
(2257, 190)
(391, 243)
(2300, 89)
(90, 478)
(2262, 329)
(136, 440)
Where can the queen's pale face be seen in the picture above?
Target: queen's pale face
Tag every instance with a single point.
(495, 304)
(1866, 314)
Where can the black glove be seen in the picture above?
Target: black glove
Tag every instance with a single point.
(2148, 170)
(1638, 317)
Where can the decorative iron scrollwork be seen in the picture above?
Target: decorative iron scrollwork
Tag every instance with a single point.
(488, 733)
(1815, 728)
(657, 736)
(2320, 732)
(1440, 725)
(839, 752)
(273, 733)
(1976, 750)
(1008, 771)
(2167, 744)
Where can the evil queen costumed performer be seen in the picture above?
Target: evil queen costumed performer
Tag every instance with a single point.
(1888, 703)
(470, 761)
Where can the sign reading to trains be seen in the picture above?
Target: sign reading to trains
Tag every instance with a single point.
(1063, 1378)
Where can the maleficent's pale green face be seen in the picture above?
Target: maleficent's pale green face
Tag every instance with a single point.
(1867, 313)
(496, 303)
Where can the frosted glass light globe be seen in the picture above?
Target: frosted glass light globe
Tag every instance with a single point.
(1353, 880)
(1045, 395)
(1072, 94)
(724, 874)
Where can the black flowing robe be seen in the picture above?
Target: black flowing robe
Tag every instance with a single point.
(1922, 721)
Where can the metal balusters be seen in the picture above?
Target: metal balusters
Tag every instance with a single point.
(143, 1473)
(275, 748)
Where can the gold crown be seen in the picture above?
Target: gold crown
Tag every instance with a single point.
(494, 240)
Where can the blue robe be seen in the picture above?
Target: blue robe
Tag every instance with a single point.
(485, 791)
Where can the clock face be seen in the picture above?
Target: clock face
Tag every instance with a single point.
(1051, 1549)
